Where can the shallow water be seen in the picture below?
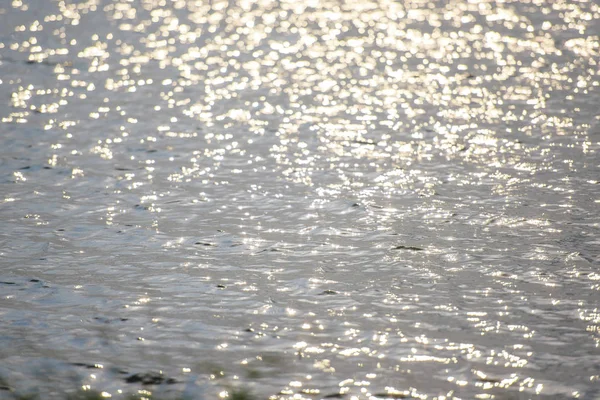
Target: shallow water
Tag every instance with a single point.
(300, 198)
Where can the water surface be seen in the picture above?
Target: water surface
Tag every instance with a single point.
(303, 199)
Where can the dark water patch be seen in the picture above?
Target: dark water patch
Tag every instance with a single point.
(411, 248)
(150, 378)
(328, 292)
(88, 366)
(270, 250)
(105, 320)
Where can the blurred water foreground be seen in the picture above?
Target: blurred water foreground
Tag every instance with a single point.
(299, 199)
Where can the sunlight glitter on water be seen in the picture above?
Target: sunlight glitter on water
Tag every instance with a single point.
(299, 199)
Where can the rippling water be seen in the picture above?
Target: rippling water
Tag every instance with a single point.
(356, 199)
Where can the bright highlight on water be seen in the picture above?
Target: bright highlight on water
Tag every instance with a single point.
(204, 199)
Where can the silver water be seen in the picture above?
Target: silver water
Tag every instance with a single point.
(300, 199)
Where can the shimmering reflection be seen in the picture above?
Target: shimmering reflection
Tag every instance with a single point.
(301, 199)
